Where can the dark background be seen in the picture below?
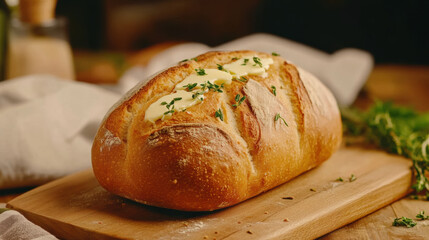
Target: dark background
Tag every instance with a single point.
(393, 31)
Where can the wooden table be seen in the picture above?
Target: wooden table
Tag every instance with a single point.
(405, 85)
(402, 84)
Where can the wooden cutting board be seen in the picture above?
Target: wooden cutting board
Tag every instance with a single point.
(76, 207)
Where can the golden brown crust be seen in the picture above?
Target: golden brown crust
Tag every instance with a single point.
(195, 162)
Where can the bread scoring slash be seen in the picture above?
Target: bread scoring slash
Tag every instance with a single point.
(214, 131)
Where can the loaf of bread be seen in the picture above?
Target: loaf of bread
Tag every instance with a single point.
(215, 130)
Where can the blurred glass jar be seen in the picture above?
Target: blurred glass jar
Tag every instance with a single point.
(40, 48)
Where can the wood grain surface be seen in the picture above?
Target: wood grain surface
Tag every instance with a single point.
(378, 226)
(314, 204)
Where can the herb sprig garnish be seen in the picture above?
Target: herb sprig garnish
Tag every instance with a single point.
(404, 221)
(395, 129)
(219, 114)
(273, 88)
(201, 71)
(257, 61)
(246, 60)
(238, 100)
(207, 86)
(421, 216)
(277, 117)
(190, 86)
(197, 94)
(212, 86)
(352, 178)
(171, 111)
(408, 222)
(339, 179)
(241, 79)
(275, 54)
(220, 67)
(170, 106)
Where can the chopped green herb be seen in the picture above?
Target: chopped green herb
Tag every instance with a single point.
(404, 221)
(164, 103)
(235, 58)
(352, 178)
(421, 216)
(277, 117)
(212, 86)
(257, 61)
(242, 79)
(201, 71)
(195, 95)
(275, 54)
(219, 114)
(169, 111)
(195, 59)
(190, 86)
(184, 60)
(395, 129)
(171, 103)
(238, 100)
(340, 179)
(203, 86)
(246, 60)
(274, 90)
(220, 67)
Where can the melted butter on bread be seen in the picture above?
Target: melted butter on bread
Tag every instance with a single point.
(212, 75)
(158, 110)
(248, 66)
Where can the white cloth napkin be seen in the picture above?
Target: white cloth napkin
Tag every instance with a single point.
(15, 226)
(46, 128)
(47, 124)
